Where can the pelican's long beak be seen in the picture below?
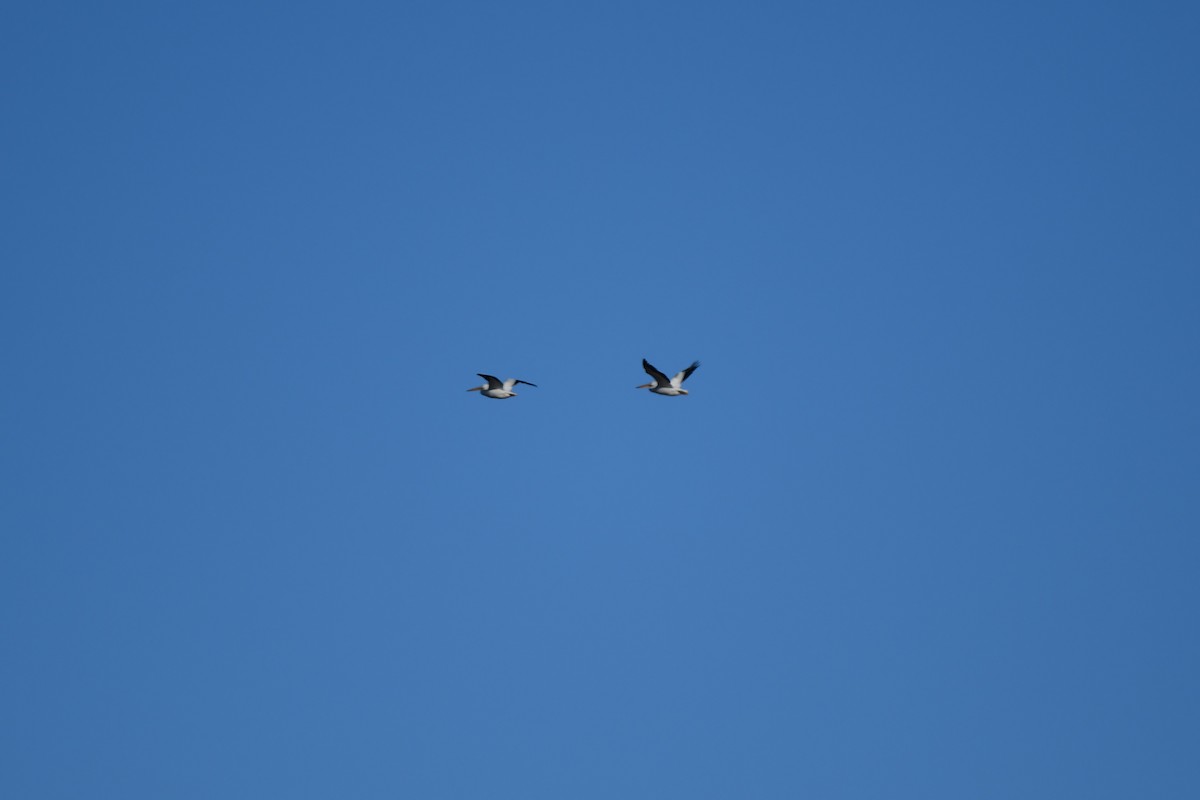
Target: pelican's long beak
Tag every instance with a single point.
(476, 389)
(683, 391)
(644, 386)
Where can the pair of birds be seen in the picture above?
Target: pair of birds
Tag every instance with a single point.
(672, 387)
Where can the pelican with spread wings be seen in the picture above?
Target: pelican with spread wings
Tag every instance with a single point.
(661, 385)
(496, 388)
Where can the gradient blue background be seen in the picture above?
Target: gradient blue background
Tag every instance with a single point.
(925, 528)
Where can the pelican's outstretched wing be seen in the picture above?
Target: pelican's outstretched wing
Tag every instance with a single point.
(493, 381)
(680, 377)
(527, 383)
(659, 378)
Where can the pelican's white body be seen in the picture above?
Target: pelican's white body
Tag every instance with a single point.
(670, 391)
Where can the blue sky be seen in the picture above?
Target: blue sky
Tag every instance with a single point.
(926, 526)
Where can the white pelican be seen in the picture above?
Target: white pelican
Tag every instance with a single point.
(660, 384)
(498, 389)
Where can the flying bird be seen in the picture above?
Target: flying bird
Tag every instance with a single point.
(498, 389)
(661, 385)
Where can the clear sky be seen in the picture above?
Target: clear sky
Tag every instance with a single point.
(926, 526)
